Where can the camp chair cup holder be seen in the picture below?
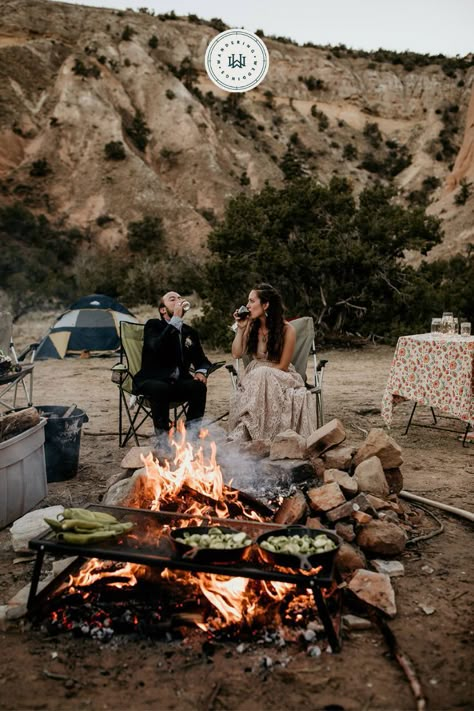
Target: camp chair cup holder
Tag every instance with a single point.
(119, 373)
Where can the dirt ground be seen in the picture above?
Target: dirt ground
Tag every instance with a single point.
(53, 673)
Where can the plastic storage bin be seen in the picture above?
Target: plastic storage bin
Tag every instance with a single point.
(62, 440)
(22, 473)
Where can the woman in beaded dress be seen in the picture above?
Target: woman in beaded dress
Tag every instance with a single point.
(271, 396)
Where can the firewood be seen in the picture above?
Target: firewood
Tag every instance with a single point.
(17, 422)
(292, 509)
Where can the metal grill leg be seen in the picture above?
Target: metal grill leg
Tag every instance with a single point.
(35, 579)
(323, 611)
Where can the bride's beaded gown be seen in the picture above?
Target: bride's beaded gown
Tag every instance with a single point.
(268, 401)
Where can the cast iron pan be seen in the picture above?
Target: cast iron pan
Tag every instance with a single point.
(207, 555)
(301, 561)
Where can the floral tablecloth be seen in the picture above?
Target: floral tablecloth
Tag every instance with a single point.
(433, 370)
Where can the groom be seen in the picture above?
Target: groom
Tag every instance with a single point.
(170, 347)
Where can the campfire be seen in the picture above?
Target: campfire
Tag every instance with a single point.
(144, 583)
(185, 491)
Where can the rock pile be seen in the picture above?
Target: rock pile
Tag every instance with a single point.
(351, 490)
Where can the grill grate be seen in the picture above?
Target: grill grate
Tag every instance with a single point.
(149, 544)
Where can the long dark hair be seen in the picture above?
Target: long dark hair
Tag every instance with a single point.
(275, 323)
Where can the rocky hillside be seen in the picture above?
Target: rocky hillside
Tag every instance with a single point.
(108, 116)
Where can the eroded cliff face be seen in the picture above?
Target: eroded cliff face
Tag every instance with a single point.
(206, 147)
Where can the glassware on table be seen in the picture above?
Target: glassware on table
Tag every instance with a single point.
(454, 326)
(436, 325)
(465, 328)
(447, 322)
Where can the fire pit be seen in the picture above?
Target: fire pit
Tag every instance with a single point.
(149, 545)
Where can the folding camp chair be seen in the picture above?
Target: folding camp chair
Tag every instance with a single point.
(20, 374)
(134, 410)
(305, 347)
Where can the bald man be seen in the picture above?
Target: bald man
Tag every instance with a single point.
(170, 347)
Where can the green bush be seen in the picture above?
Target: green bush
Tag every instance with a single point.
(153, 42)
(81, 70)
(312, 83)
(323, 121)
(332, 257)
(115, 150)
(127, 33)
(40, 168)
(146, 236)
(138, 131)
(372, 133)
(35, 258)
(463, 193)
(291, 164)
(350, 152)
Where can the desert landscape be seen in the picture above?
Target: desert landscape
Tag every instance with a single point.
(433, 624)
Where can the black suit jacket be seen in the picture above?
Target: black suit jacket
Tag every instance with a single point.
(165, 349)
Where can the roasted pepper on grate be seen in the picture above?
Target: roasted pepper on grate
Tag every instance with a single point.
(82, 526)
(87, 515)
(82, 539)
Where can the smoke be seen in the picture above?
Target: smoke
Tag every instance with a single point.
(254, 474)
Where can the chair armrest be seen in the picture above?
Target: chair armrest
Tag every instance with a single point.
(232, 370)
(29, 349)
(215, 366)
(321, 364)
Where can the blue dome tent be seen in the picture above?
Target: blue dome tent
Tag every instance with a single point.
(90, 324)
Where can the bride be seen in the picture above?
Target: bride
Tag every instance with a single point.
(271, 396)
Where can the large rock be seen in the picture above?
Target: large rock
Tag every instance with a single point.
(314, 522)
(120, 493)
(345, 531)
(375, 589)
(380, 444)
(317, 463)
(259, 448)
(283, 472)
(359, 503)
(370, 477)
(133, 458)
(288, 445)
(348, 484)
(392, 568)
(378, 503)
(382, 537)
(329, 435)
(291, 510)
(326, 497)
(339, 457)
(349, 558)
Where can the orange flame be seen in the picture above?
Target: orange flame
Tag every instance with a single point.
(94, 570)
(236, 599)
(190, 469)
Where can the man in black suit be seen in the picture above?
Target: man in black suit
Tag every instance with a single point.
(170, 347)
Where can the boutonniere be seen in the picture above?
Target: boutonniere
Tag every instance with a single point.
(188, 342)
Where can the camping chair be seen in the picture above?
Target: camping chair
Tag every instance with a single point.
(136, 407)
(305, 347)
(134, 410)
(19, 374)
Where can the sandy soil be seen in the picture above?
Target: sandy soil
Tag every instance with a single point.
(183, 674)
